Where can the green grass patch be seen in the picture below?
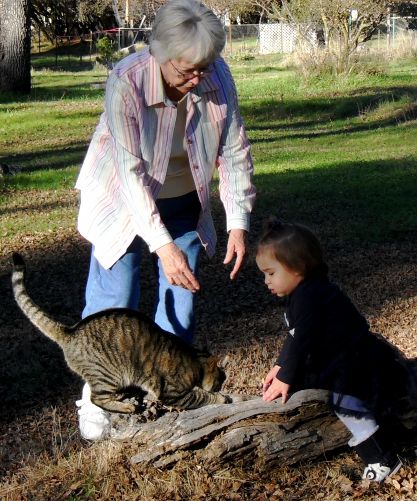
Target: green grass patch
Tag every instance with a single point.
(46, 134)
(46, 179)
(336, 153)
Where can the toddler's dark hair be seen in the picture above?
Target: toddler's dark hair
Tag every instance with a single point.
(293, 245)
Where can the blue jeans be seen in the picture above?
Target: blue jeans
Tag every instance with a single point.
(119, 286)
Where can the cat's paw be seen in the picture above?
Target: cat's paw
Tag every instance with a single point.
(151, 412)
(127, 407)
(234, 398)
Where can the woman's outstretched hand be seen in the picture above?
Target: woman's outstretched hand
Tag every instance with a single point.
(175, 265)
(236, 246)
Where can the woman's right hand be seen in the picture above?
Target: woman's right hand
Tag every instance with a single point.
(175, 265)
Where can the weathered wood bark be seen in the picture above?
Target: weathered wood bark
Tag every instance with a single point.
(264, 434)
(14, 45)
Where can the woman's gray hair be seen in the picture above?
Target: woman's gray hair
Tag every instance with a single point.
(186, 29)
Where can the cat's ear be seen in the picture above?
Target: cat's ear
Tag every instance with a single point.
(224, 362)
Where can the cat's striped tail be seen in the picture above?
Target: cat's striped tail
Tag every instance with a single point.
(51, 328)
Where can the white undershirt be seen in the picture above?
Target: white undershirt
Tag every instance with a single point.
(179, 179)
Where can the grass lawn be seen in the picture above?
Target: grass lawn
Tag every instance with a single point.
(337, 154)
(346, 146)
(335, 151)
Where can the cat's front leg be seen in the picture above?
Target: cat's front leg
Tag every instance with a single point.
(197, 397)
(112, 402)
(235, 397)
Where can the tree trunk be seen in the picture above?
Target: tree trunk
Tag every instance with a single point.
(14, 45)
(115, 6)
(264, 434)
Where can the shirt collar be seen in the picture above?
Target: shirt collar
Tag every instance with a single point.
(154, 89)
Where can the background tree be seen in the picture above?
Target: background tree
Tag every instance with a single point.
(147, 8)
(73, 17)
(96, 13)
(408, 9)
(62, 17)
(265, 8)
(345, 25)
(232, 8)
(14, 45)
(107, 53)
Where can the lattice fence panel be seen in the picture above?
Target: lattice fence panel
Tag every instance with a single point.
(276, 37)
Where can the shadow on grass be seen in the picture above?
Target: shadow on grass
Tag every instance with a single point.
(297, 114)
(281, 119)
(65, 57)
(36, 207)
(64, 92)
(92, 88)
(325, 127)
(63, 63)
(267, 69)
(54, 158)
(370, 201)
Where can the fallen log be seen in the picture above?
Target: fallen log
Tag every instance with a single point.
(264, 433)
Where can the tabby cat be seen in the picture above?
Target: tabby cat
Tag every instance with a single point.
(120, 350)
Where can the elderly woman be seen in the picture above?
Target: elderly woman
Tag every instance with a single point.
(171, 118)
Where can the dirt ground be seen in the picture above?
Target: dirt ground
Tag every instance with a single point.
(240, 318)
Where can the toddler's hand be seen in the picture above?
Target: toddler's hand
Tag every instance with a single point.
(266, 383)
(275, 389)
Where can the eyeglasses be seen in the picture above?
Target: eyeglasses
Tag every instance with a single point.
(200, 72)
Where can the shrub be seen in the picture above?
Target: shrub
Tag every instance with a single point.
(107, 52)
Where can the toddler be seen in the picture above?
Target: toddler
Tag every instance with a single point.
(329, 346)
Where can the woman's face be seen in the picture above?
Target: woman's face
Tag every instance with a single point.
(182, 76)
(279, 279)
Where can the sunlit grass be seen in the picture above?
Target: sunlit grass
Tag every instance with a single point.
(347, 144)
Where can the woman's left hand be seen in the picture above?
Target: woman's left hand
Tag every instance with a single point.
(236, 245)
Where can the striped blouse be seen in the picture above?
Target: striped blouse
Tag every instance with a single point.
(126, 162)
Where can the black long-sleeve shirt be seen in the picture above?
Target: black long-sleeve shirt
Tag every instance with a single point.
(329, 345)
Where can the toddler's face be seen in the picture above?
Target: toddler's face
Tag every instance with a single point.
(279, 279)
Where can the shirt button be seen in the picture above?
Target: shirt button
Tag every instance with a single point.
(195, 167)
(189, 141)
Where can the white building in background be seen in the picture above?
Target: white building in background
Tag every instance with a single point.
(280, 37)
